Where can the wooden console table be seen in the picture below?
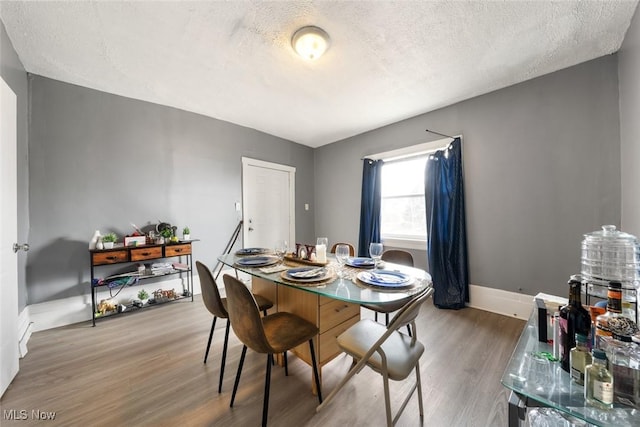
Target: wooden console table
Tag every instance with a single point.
(140, 254)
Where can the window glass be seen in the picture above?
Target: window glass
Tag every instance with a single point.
(403, 210)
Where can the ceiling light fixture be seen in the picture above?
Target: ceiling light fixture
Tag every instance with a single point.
(310, 42)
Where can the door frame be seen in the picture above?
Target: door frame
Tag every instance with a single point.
(246, 162)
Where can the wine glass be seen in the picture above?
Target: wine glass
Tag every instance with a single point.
(342, 253)
(375, 250)
(281, 249)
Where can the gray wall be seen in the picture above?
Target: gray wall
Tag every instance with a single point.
(629, 70)
(14, 75)
(100, 161)
(542, 167)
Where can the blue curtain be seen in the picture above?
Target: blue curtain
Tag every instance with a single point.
(446, 228)
(370, 205)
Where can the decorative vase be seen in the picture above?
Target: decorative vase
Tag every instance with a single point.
(94, 240)
(99, 244)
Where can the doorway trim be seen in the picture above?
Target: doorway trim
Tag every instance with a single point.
(247, 161)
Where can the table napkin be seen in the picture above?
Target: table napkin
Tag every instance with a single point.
(274, 269)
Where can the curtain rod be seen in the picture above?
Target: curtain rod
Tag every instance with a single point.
(438, 133)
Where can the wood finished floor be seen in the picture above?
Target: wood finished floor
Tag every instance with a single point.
(145, 369)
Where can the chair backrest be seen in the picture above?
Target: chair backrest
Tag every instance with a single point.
(210, 292)
(244, 316)
(410, 311)
(398, 256)
(352, 250)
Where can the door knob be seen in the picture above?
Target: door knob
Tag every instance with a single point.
(17, 247)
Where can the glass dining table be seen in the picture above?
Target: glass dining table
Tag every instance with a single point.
(332, 304)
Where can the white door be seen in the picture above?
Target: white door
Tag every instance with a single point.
(268, 199)
(8, 236)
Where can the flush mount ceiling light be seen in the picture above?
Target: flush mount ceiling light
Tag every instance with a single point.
(310, 42)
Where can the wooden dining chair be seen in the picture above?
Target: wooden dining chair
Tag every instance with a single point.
(396, 256)
(352, 250)
(218, 307)
(275, 333)
(386, 351)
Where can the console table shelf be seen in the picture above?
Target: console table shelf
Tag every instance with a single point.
(140, 254)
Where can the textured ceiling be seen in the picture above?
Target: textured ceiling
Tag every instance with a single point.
(388, 61)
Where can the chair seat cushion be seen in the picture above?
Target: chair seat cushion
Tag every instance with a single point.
(285, 331)
(401, 355)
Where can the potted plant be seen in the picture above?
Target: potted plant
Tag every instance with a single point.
(109, 239)
(143, 296)
(166, 234)
(186, 233)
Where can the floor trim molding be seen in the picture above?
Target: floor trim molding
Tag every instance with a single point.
(25, 328)
(498, 301)
(66, 311)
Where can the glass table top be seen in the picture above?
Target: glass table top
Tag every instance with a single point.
(349, 288)
(548, 384)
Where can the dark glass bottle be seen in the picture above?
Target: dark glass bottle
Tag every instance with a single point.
(574, 319)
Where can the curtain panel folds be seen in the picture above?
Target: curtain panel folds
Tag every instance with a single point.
(370, 203)
(446, 227)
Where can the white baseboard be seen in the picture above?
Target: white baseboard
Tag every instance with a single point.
(25, 328)
(65, 311)
(507, 303)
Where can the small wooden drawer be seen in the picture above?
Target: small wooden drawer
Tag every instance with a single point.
(110, 257)
(177, 250)
(336, 312)
(146, 253)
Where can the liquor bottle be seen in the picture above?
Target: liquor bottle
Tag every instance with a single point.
(598, 382)
(574, 319)
(614, 311)
(580, 358)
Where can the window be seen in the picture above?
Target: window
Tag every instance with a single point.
(403, 223)
(403, 210)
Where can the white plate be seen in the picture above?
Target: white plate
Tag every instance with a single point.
(385, 278)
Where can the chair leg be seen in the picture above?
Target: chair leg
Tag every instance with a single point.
(286, 367)
(386, 319)
(224, 356)
(267, 385)
(352, 371)
(409, 330)
(235, 385)
(419, 384)
(375, 313)
(213, 325)
(315, 370)
(387, 398)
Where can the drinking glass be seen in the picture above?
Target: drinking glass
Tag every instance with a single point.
(375, 250)
(281, 249)
(323, 241)
(342, 253)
